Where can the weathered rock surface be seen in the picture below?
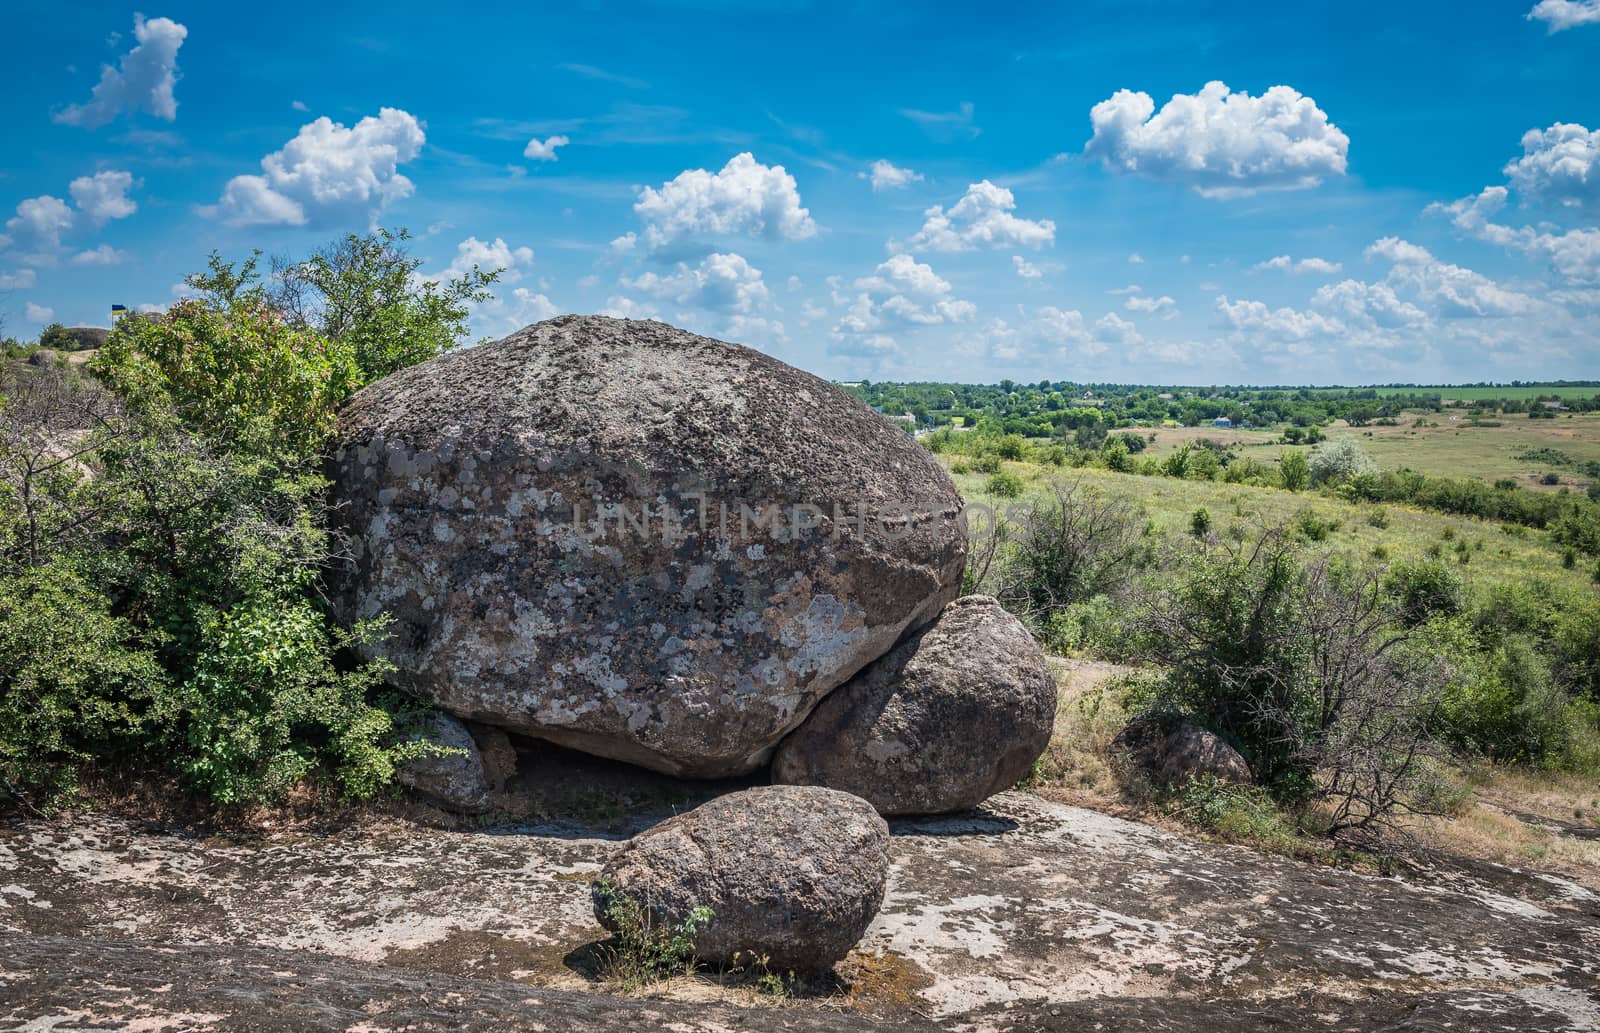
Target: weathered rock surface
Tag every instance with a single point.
(953, 715)
(498, 754)
(634, 541)
(458, 780)
(1025, 916)
(63, 984)
(795, 873)
(1170, 749)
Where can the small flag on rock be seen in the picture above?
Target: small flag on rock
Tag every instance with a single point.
(117, 311)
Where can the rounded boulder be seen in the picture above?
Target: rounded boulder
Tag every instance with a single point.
(635, 541)
(792, 873)
(953, 715)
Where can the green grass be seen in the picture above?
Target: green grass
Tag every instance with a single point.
(1477, 394)
(1493, 555)
(1450, 449)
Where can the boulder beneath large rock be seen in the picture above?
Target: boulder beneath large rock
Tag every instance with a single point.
(953, 715)
(633, 541)
(795, 873)
(458, 779)
(1170, 749)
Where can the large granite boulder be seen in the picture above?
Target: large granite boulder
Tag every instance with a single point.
(1169, 749)
(633, 541)
(795, 873)
(953, 715)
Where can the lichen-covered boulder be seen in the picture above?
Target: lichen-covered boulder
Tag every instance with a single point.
(633, 541)
(795, 873)
(456, 778)
(953, 715)
(1170, 749)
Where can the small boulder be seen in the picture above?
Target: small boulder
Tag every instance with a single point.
(953, 715)
(795, 873)
(457, 781)
(1170, 749)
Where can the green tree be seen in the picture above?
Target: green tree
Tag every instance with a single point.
(55, 337)
(367, 293)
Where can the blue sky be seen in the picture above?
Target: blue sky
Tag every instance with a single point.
(1379, 192)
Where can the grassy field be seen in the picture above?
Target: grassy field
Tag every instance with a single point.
(1445, 446)
(1493, 554)
(1478, 394)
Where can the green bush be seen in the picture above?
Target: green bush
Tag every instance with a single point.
(1424, 591)
(1200, 522)
(159, 588)
(1294, 472)
(1338, 462)
(1313, 526)
(1005, 485)
(75, 684)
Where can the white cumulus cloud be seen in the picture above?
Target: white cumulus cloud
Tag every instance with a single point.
(20, 280)
(104, 196)
(1565, 14)
(1284, 263)
(720, 283)
(328, 173)
(1163, 306)
(1574, 254)
(38, 226)
(1221, 143)
(901, 294)
(143, 81)
(39, 313)
(1559, 166)
(544, 150)
(105, 254)
(744, 198)
(981, 219)
(888, 176)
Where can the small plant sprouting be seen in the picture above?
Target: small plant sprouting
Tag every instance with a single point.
(642, 951)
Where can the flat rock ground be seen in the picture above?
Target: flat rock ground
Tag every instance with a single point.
(1024, 915)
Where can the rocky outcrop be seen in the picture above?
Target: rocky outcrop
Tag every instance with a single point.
(1171, 749)
(792, 873)
(957, 713)
(1028, 916)
(634, 541)
(456, 779)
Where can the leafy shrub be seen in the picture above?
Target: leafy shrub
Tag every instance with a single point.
(1005, 485)
(160, 581)
(1073, 544)
(1338, 462)
(1550, 478)
(1313, 526)
(1423, 591)
(75, 683)
(1200, 522)
(986, 464)
(1294, 471)
(1304, 666)
(1378, 518)
(1233, 813)
(238, 373)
